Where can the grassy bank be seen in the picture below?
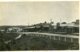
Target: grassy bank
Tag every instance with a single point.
(27, 42)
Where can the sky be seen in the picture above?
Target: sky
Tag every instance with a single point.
(28, 13)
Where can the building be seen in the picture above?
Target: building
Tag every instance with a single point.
(14, 29)
(70, 27)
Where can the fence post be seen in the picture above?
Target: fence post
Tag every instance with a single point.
(59, 37)
(65, 39)
(54, 38)
(71, 39)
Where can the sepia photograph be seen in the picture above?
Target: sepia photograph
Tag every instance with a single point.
(43, 25)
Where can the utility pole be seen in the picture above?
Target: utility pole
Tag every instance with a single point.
(51, 27)
(51, 20)
(60, 19)
(28, 21)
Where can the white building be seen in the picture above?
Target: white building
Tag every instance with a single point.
(14, 29)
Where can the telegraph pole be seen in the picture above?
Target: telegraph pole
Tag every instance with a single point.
(28, 21)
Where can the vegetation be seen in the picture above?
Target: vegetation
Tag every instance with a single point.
(28, 42)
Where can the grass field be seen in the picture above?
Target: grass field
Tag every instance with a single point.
(27, 42)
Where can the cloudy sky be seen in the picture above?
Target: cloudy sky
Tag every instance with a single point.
(24, 13)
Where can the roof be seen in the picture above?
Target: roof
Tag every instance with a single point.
(70, 25)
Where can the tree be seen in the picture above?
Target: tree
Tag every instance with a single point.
(63, 22)
(58, 26)
(2, 44)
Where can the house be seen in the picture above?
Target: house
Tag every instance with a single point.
(70, 28)
(14, 29)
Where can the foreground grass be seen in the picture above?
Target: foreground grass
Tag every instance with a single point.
(27, 42)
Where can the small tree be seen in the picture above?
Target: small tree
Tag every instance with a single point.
(63, 22)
